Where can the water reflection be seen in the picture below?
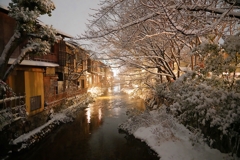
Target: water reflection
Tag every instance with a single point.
(94, 134)
(88, 113)
(99, 114)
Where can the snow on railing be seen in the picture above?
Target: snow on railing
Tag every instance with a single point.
(11, 109)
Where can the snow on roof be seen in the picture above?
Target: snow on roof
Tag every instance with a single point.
(74, 44)
(58, 31)
(63, 34)
(4, 9)
(70, 45)
(34, 63)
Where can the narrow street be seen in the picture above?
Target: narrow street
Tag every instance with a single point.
(94, 134)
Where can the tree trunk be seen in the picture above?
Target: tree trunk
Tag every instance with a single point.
(10, 47)
(17, 61)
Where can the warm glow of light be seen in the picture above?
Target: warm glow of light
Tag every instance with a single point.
(109, 97)
(109, 90)
(116, 88)
(115, 72)
(128, 91)
(95, 91)
(135, 85)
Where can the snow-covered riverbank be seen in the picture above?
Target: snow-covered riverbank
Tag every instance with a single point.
(64, 115)
(169, 139)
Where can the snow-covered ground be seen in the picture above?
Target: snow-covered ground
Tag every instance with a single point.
(57, 118)
(169, 139)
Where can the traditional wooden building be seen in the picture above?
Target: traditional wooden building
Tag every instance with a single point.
(47, 80)
(24, 79)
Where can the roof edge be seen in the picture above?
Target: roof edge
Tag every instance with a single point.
(34, 63)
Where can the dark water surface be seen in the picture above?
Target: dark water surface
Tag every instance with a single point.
(94, 134)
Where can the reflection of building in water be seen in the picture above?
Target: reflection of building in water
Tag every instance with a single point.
(93, 116)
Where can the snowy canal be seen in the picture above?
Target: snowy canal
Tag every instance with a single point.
(94, 134)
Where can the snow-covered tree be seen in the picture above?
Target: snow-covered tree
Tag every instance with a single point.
(152, 35)
(28, 29)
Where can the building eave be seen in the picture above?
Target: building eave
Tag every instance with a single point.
(4, 9)
(34, 63)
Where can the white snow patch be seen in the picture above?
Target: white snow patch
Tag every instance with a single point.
(173, 141)
(24, 137)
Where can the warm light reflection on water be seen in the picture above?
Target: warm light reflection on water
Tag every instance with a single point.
(94, 134)
(109, 97)
(88, 113)
(99, 114)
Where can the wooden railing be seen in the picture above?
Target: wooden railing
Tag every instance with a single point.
(54, 100)
(12, 109)
(77, 92)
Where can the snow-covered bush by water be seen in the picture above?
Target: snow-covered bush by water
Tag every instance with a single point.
(201, 103)
(168, 138)
(209, 102)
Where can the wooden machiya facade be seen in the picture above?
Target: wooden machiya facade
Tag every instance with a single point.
(47, 80)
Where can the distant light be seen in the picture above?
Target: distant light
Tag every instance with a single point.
(115, 72)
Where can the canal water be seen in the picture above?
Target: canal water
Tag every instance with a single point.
(94, 134)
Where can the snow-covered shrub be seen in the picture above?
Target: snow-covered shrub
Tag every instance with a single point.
(165, 130)
(213, 110)
(210, 103)
(136, 120)
(163, 134)
(196, 137)
(198, 103)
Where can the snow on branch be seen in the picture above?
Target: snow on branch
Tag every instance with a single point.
(112, 30)
(233, 14)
